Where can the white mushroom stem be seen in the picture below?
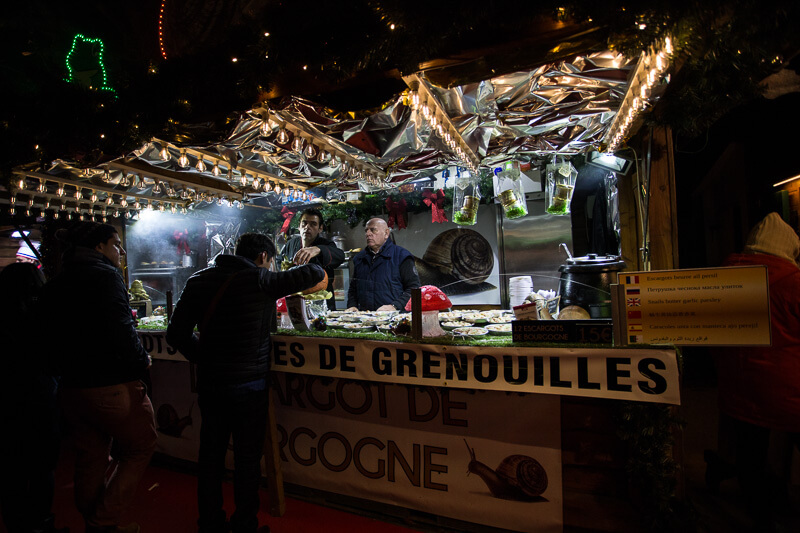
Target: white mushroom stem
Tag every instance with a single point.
(430, 324)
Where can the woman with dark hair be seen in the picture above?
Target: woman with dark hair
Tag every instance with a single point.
(102, 392)
(29, 408)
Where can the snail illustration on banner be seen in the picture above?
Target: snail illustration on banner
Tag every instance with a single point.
(517, 477)
(458, 261)
(170, 423)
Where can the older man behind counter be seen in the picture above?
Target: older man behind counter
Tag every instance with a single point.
(383, 273)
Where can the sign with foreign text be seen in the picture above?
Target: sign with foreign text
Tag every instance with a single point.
(479, 456)
(647, 375)
(709, 306)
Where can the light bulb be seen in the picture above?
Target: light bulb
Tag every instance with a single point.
(93, 197)
(55, 215)
(304, 196)
(42, 187)
(161, 207)
(287, 191)
(109, 200)
(47, 204)
(184, 195)
(125, 181)
(268, 186)
(30, 201)
(21, 184)
(297, 144)
(78, 194)
(164, 154)
(173, 208)
(183, 210)
(277, 188)
(156, 187)
(123, 202)
(201, 165)
(171, 192)
(106, 176)
(216, 170)
(60, 190)
(282, 137)
(140, 184)
(324, 156)
(128, 214)
(184, 159)
(220, 200)
(241, 205)
(116, 213)
(310, 151)
(256, 184)
(243, 179)
(11, 210)
(137, 205)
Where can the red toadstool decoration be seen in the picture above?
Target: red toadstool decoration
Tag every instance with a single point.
(433, 301)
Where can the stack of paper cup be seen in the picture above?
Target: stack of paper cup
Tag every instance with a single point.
(519, 287)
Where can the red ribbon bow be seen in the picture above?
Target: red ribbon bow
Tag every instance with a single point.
(435, 200)
(397, 213)
(182, 238)
(288, 215)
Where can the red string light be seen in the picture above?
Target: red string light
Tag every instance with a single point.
(161, 29)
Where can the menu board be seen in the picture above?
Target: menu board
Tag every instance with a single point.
(709, 306)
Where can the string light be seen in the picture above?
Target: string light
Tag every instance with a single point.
(201, 165)
(216, 171)
(161, 29)
(79, 37)
(21, 184)
(164, 153)
(183, 161)
(93, 197)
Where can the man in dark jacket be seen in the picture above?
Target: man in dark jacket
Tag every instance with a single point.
(383, 273)
(310, 247)
(102, 392)
(233, 306)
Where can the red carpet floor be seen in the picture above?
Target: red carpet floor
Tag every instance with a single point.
(165, 503)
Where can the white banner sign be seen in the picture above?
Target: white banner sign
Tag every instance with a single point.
(649, 375)
(482, 456)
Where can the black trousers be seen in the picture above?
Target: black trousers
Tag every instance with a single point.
(241, 413)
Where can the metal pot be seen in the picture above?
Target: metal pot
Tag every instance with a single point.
(585, 281)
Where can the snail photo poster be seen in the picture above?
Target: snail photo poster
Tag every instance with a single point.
(460, 260)
(484, 457)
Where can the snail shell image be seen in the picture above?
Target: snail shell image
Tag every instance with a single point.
(458, 261)
(517, 477)
(169, 423)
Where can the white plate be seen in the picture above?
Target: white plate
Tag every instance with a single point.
(499, 329)
(471, 332)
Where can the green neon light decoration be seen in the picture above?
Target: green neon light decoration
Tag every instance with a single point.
(102, 68)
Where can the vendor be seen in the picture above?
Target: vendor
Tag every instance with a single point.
(25, 254)
(383, 273)
(310, 247)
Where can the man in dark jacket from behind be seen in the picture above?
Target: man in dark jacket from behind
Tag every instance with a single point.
(233, 306)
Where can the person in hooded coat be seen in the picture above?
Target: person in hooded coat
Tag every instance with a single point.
(759, 387)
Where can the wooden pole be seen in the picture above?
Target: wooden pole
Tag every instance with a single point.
(416, 314)
(276, 503)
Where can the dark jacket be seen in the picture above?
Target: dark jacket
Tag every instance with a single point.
(379, 282)
(234, 342)
(329, 258)
(90, 324)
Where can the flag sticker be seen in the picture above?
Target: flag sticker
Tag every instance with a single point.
(633, 302)
(635, 314)
(633, 328)
(632, 291)
(631, 279)
(633, 339)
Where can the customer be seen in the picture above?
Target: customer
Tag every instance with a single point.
(28, 408)
(310, 247)
(759, 387)
(383, 273)
(102, 364)
(233, 306)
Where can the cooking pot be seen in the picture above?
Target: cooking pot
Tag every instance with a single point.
(585, 281)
